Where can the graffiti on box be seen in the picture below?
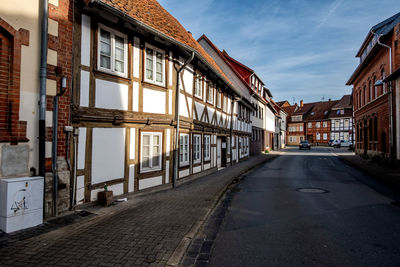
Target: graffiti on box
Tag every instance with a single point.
(19, 202)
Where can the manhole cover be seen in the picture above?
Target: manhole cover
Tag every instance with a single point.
(312, 190)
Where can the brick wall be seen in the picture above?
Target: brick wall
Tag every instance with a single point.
(312, 132)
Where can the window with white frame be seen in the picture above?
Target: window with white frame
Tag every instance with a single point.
(309, 125)
(206, 151)
(112, 51)
(325, 124)
(300, 128)
(318, 125)
(218, 100)
(296, 118)
(198, 88)
(154, 65)
(325, 136)
(196, 148)
(318, 136)
(210, 92)
(337, 124)
(184, 149)
(346, 123)
(151, 151)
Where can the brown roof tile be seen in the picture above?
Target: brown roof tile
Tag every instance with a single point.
(151, 13)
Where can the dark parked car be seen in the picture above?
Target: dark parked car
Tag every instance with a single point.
(304, 144)
(330, 142)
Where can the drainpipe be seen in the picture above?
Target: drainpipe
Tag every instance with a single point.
(54, 145)
(42, 97)
(390, 97)
(177, 93)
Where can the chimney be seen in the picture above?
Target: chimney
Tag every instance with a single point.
(301, 103)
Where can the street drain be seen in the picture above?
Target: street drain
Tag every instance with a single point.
(312, 190)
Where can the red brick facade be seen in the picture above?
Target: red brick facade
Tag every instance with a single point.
(11, 128)
(323, 128)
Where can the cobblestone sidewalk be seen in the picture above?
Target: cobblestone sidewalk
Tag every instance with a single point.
(148, 230)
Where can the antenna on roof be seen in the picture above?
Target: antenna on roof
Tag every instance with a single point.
(293, 99)
(323, 98)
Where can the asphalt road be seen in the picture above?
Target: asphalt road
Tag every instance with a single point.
(271, 223)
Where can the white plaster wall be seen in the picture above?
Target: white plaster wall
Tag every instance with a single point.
(150, 182)
(135, 95)
(136, 56)
(269, 120)
(197, 169)
(210, 113)
(132, 148)
(153, 101)
(80, 189)
(84, 93)
(118, 189)
(187, 80)
(184, 173)
(183, 111)
(81, 148)
(170, 102)
(168, 142)
(167, 171)
(111, 95)
(199, 109)
(108, 154)
(207, 166)
(131, 182)
(85, 41)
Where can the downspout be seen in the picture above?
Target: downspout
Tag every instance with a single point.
(390, 97)
(42, 95)
(177, 94)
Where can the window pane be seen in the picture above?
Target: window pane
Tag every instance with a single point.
(145, 162)
(156, 161)
(119, 54)
(105, 62)
(156, 140)
(159, 70)
(105, 49)
(146, 140)
(119, 66)
(146, 151)
(119, 42)
(149, 64)
(105, 37)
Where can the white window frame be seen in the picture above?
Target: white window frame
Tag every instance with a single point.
(155, 50)
(325, 136)
(207, 147)
(318, 136)
(325, 124)
(113, 33)
(198, 86)
(300, 128)
(318, 124)
(309, 125)
(196, 148)
(218, 99)
(184, 149)
(151, 168)
(210, 93)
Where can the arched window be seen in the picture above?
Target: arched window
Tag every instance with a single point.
(375, 128)
(375, 89)
(384, 85)
(370, 91)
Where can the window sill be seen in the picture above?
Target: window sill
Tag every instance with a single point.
(150, 170)
(110, 75)
(154, 85)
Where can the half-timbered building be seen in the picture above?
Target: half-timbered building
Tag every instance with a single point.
(141, 81)
(341, 117)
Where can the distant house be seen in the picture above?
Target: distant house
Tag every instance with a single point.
(376, 98)
(341, 118)
(318, 123)
(297, 115)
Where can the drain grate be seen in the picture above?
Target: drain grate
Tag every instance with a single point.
(312, 190)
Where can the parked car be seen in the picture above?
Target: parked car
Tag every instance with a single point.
(336, 143)
(346, 143)
(330, 142)
(304, 144)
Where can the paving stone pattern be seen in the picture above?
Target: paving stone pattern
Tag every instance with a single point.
(145, 231)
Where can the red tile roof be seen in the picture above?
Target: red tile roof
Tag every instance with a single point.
(152, 14)
(321, 110)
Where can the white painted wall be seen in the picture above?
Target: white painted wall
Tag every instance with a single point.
(81, 148)
(150, 182)
(153, 101)
(135, 95)
(108, 154)
(132, 147)
(84, 93)
(111, 95)
(131, 183)
(269, 120)
(85, 41)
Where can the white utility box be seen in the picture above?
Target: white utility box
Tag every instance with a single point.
(21, 203)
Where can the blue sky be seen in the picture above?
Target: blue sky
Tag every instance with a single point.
(301, 49)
